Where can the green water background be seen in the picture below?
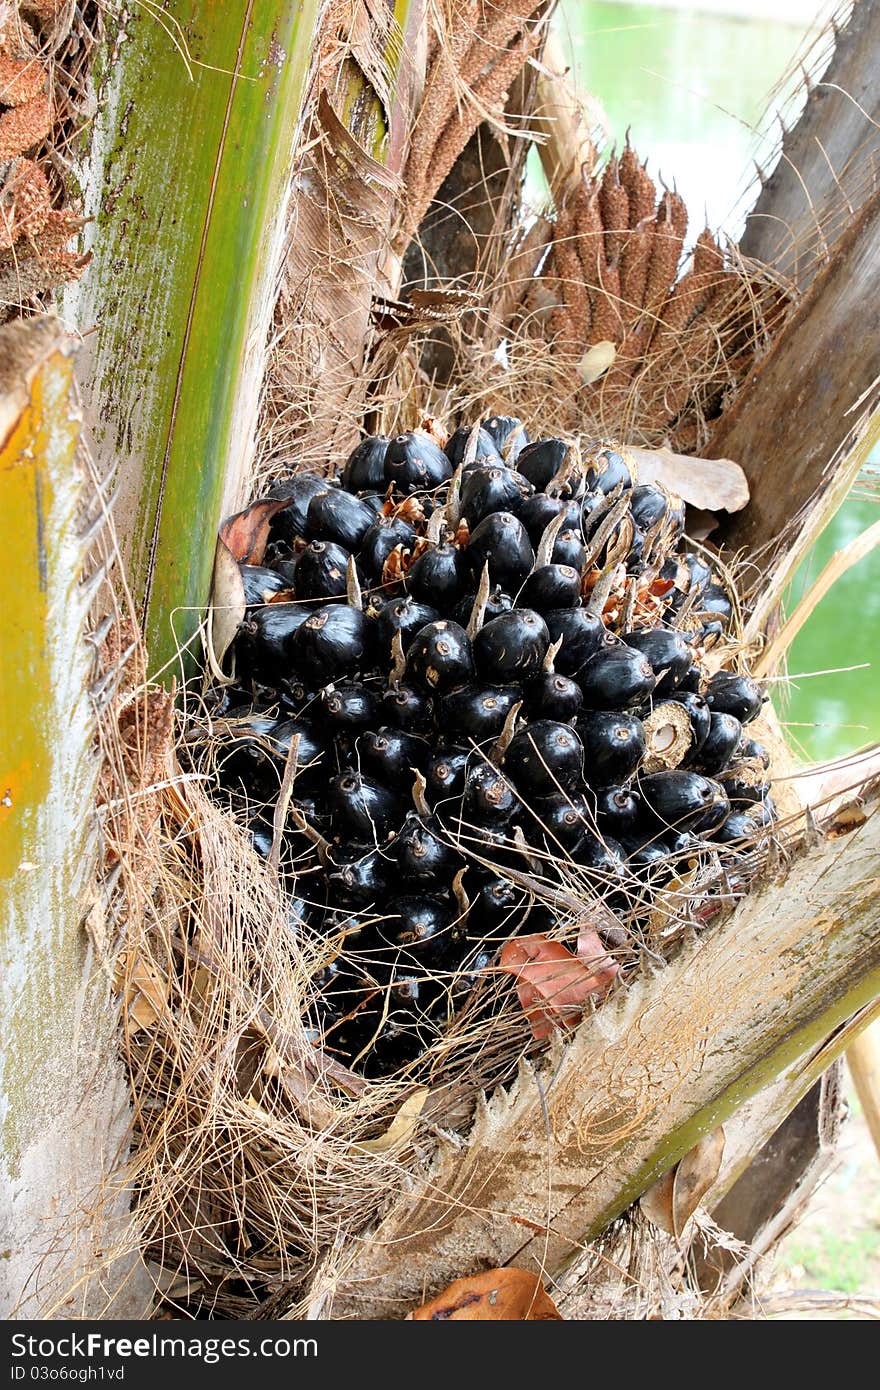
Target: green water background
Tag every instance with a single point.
(694, 89)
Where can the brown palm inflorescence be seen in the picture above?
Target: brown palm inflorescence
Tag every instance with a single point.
(683, 339)
(36, 226)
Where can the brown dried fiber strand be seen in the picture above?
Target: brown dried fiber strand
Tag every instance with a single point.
(614, 210)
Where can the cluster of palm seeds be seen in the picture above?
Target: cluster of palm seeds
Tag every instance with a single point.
(466, 666)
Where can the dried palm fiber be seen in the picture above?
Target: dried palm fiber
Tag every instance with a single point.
(45, 53)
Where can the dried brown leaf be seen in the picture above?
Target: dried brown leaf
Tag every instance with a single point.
(553, 986)
(496, 1295)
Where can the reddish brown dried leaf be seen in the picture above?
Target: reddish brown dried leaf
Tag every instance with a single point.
(553, 986)
(246, 533)
(496, 1295)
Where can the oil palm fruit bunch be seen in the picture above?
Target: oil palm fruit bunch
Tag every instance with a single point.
(478, 667)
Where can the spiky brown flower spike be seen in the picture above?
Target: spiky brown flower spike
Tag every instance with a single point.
(33, 232)
(472, 64)
(680, 340)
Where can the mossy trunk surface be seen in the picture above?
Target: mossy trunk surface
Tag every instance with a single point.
(63, 1099)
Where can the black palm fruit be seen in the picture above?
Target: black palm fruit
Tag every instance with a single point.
(487, 452)
(310, 758)
(544, 758)
(616, 677)
(725, 732)
(565, 819)
(414, 463)
(609, 473)
(551, 587)
(715, 604)
(569, 549)
(682, 801)
(445, 774)
(247, 761)
(349, 706)
(503, 541)
(765, 812)
(648, 505)
(364, 469)
(743, 791)
(440, 657)
(603, 858)
(669, 653)
(393, 756)
(691, 682)
(751, 751)
(362, 808)
(509, 435)
(512, 647)
(684, 847)
(594, 508)
(262, 835)
(614, 745)
(438, 576)
(497, 602)
(489, 799)
(339, 516)
(253, 752)
(418, 930)
(699, 714)
(617, 810)
(551, 696)
(423, 857)
(298, 698)
(405, 616)
(263, 643)
(582, 633)
(738, 826)
(541, 461)
(477, 711)
(407, 708)
(635, 559)
(697, 578)
(332, 643)
(290, 524)
(321, 571)
(365, 879)
(380, 538)
(728, 693)
(496, 903)
(537, 512)
(260, 583)
(485, 490)
(648, 861)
